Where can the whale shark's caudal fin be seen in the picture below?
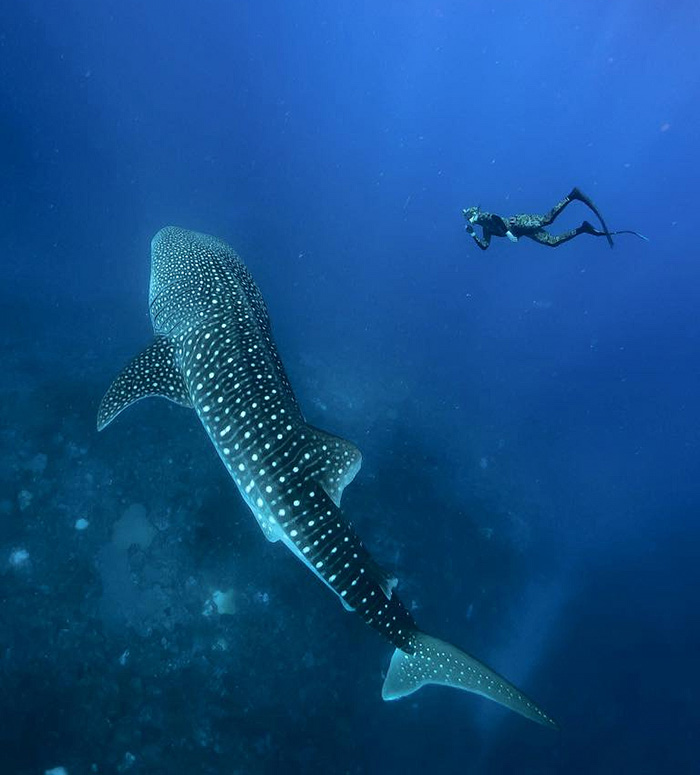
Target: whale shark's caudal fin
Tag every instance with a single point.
(437, 662)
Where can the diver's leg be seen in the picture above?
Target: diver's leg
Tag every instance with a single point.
(554, 240)
(559, 207)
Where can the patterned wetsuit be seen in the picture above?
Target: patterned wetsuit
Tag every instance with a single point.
(532, 226)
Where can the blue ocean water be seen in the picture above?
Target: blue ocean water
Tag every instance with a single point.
(528, 417)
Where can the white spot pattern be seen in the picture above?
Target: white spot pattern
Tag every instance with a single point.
(214, 351)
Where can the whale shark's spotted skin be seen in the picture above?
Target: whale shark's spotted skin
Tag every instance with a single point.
(211, 323)
(214, 351)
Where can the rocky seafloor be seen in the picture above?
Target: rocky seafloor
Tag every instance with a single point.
(146, 626)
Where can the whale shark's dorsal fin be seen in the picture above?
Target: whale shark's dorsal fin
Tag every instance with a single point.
(152, 373)
(338, 461)
(333, 464)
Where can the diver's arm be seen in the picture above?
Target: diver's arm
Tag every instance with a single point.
(484, 242)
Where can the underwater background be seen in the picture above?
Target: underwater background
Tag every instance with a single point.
(528, 417)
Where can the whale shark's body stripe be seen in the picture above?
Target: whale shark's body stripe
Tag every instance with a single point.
(214, 351)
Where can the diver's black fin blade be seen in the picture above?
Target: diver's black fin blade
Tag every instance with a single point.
(576, 193)
(629, 231)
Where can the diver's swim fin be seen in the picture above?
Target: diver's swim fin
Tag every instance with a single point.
(576, 193)
(436, 662)
(629, 231)
(588, 228)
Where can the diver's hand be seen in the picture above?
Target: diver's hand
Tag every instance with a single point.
(511, 236)
(470, 230)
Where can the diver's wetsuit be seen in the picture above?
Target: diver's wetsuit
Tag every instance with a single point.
(532, 226)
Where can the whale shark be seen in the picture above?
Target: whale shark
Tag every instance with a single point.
(213, 351)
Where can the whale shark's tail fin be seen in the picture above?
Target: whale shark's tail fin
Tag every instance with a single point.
(437, 662)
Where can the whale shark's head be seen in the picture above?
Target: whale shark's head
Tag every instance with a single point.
(185, 270)
(180, 256)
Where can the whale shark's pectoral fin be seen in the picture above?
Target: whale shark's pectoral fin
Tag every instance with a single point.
(436, 662)
(152, 373)
(338, 460)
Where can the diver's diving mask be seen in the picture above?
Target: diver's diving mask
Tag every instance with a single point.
(471, 214)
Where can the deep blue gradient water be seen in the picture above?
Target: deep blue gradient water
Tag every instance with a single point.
(528, 417)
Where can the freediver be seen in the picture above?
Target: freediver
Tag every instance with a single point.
(532, 226)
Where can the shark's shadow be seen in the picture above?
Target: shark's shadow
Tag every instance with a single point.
(435, 533)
